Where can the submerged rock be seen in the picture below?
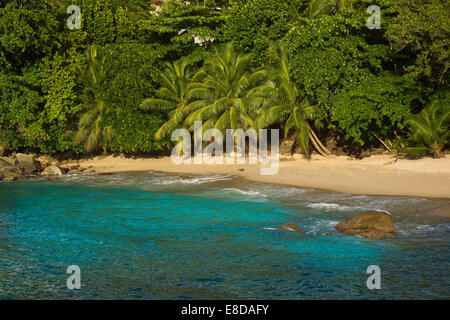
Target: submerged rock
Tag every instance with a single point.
(52, 171)
(290, 226)
(371, 225)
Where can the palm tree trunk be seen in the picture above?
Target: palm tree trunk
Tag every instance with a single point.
(384, 144)
(324, 149)
(437, 151)
(318, 148)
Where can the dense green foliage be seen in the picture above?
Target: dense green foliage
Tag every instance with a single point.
(290, 103)
(253, 24)
(160, 69)
(224, 92)
(422, 30)
(172, 97)
(430, 130)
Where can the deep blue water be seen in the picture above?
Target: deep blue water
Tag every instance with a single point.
(153, 236)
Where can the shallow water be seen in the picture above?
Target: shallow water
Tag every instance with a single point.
(155, 236)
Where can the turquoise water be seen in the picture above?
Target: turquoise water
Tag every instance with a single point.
(154, 236)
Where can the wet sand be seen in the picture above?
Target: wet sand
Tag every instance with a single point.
(375, 175)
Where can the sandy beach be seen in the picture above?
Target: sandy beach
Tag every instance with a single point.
(375, 175)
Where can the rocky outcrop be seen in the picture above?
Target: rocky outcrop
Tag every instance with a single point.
(52, 171)
(10, 178)
(27, 162)
(8, 171)
(46, 160)
(11, 160)
(20, 166)
(371, 225)
(75, 169)
(290, 226)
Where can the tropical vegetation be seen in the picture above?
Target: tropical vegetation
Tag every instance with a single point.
(429, 130)
(138, 69)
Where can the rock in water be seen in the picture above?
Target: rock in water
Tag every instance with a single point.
(27, 162)
(290, 226)
(52, 171)
(371, 225)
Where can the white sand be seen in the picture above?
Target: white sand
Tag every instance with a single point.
(376, 175)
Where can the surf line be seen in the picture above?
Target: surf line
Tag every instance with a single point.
(213, 152)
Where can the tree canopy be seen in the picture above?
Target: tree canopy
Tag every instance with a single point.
(164, 65)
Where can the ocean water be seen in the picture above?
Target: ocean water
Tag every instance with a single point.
(155, 236)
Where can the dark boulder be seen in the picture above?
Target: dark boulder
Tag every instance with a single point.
(371, 225)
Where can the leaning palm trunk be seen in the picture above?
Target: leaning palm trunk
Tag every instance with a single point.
(317, 140)
(316, 145)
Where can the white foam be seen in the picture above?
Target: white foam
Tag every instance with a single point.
(196, 180)
(246, 193)
(329, 206)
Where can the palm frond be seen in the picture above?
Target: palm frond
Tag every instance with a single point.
(153, 104)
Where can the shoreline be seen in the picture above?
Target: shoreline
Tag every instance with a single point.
(375, 175)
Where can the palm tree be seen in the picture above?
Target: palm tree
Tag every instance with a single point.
(318, 8)
(91, 131)
(225, 91)
(430, 130)
(172, 97)
(289, 104)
